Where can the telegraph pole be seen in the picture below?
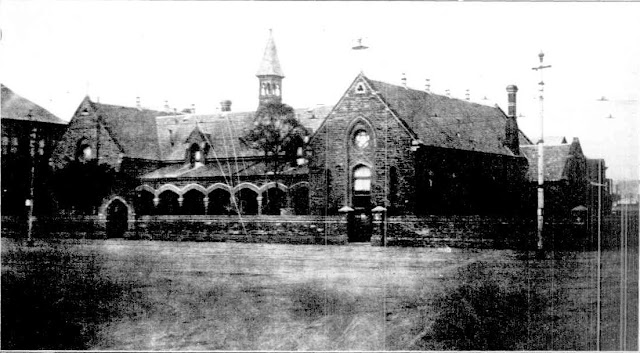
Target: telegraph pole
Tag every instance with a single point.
(29, 202)
(540, 68)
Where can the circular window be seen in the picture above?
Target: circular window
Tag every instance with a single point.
(361, 139)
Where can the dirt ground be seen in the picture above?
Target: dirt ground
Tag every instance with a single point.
(138, 295)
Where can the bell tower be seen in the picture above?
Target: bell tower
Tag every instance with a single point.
(270, 75)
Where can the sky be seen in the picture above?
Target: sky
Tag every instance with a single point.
(56, 52)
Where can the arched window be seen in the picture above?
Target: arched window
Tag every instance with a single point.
(361, 179)
(361, 139)
(144, 202)
(220, 203)
(169, 204)
(361, 186)
(193, 203)
(393, 190)
(300, 200)
(84, 152)
(247, 201)
(272, 201)
(196, 155)
(328, 183)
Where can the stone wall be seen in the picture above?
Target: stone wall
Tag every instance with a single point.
(253, 229)
(484, 232)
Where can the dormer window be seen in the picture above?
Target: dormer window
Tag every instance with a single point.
(196, 155)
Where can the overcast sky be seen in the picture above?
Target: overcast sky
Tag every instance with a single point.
(55, 52)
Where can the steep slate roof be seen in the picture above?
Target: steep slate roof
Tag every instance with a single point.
(16, 107)
(133, 129)
(223, 130)
(270, 65)
(555, 161)
(447, 122)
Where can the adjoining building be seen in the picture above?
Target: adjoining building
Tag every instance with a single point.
(26, 128)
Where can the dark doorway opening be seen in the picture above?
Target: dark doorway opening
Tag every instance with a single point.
(117, 219)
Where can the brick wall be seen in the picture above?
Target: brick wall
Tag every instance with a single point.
(333, 151)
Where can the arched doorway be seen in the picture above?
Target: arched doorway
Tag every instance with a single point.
(273, 200)
(219, 203)
(169, 204)
(300, 199)
(193, 203)
(117, 219)
(144, 202)
(247, 201)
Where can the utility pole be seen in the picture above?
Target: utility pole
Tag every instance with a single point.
(540, 68)
(32, 174)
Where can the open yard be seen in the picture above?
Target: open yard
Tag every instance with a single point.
(116, 294)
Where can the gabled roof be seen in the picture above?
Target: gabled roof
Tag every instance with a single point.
(270, 65)
(224, 131)
(16, 107)
(133, 129)
(447, 122)
(555, 161)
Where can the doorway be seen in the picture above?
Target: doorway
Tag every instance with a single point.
(117, 219)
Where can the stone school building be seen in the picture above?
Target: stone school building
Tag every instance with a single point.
(408, 151)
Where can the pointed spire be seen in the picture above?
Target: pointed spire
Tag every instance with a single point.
(270, 65)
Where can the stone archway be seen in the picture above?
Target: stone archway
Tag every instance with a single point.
(117, 214)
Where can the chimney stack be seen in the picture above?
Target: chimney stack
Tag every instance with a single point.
(511, 140)
(448, 92)
(167, 108)
(467, 95)
(138, 105)
(511, 92)
(193, 108)
(404, 80)
(225, 105)
(427, 85)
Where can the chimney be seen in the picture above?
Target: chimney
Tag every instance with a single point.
(193, 108)
(467, 95)
(448, 92)
(225, 105)
(167, 108)
(138, 105)
(427, 85)
(511, 92)
(511, 140)
(404, 81)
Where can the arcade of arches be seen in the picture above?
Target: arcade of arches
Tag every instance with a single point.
(244, 199)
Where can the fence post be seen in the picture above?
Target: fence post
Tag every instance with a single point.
(378, 231)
